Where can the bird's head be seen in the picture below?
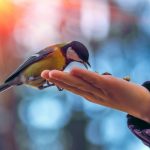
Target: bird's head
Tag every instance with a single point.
(76, 51)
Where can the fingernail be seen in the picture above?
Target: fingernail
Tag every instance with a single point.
(52, 74)
(44, 74)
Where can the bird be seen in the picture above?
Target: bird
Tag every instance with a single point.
(54, 57)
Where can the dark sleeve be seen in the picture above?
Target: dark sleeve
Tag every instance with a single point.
(139, 127)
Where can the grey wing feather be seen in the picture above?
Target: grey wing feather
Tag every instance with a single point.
(34, 58)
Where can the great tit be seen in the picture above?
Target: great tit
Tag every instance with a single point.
(56, 57)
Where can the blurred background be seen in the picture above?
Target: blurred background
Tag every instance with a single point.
(117, 34)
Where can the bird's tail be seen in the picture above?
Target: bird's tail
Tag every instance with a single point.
(6, 85)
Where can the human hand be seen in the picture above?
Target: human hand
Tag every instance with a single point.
(104, 90)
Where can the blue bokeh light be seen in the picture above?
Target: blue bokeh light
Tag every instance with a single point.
(93, 110)
(92, 134)
(44, 113)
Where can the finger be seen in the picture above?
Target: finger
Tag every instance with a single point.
(45, 74)
(87, 95)
(91, 77)
(76, 82)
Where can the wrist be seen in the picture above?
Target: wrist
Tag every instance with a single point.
(141, 106)
(146, 114)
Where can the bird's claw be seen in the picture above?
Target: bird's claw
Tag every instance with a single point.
(59, 89)
(52, 84)
(49, 84)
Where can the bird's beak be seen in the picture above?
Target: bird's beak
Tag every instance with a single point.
(86, 64)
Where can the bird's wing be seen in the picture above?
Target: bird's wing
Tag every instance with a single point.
(34, 58)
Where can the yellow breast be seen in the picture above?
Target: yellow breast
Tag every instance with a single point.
(54, 60)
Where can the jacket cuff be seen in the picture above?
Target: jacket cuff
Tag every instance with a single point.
(139, 127)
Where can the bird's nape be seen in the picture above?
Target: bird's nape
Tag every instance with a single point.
(81, 50)
(76, 51)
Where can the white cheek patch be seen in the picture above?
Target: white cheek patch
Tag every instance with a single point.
(35, 55)
(71, 54)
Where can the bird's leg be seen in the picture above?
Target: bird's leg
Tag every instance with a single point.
(46, 85)
(59, 89)
(43, 87)
(52, 84)
(49, 84)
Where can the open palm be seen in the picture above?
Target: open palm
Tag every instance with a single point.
(104, 90)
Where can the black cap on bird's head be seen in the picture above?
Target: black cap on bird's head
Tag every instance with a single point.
(76, 51)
